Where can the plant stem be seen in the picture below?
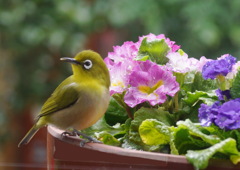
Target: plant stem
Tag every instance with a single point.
(129, 112)
(221, 81)
(119, 99)
(176, 102)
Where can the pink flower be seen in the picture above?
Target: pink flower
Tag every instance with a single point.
(128, 51)
(119, 75)
(122, 60)
(150, 82)
(180, 63)
(120, 63)
(235, 69)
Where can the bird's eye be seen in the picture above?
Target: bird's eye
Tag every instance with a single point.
(87, 64)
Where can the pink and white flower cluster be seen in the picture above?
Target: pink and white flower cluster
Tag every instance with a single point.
(147, 81)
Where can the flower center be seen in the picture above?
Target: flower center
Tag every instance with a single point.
(119, 84)
(149, 90)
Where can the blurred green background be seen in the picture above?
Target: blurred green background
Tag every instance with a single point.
(34, 34)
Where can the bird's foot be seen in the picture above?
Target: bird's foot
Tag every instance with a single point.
(68, 134)
(89, 138)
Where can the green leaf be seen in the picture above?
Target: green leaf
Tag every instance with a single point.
(185, 80)
(107, 138)
(153, 113)
(115, 113)
(207, 97)
(156, 133)
(183, 141)
(235, 90)
(181, 52)
(223, 134)
(200, 158)
(148, 113)
(156, 51)
(194, 131)
(201, 84)
(187, 136)
(102, 126)
(129, 144)
(141, 115)
(236, 135)
(142, 57)
(153, 132)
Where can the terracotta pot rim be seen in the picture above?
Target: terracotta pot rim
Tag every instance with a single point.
(57, 133)
(159, 157)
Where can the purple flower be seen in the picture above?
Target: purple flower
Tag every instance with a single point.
(202, 61)
(221, 66)
(225, 116)
(229, 115)
(150, 82)
(223, 94)
(208, 114)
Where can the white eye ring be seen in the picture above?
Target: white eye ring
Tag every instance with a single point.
(87, 64)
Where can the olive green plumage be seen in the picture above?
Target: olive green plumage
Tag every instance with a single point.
(80, 100)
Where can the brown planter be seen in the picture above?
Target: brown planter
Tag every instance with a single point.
(65, 153)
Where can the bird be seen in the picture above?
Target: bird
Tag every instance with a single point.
(80, 100)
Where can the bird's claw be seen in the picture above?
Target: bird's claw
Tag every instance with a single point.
(94, 140)
(77, 133)
(64, 134)
(83, 142)
(89, 138)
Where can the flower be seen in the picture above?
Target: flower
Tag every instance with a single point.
(221, 66)
(119, 75)
(225, 116)
(223, 94)
(118, 78)
(208, 114)
(180, 63)
(128, 51)
(234, 71)
(202, 61)
(150, 82)
(229, 115)
(121, 61)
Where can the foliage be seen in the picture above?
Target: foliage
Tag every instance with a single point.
(170, 108)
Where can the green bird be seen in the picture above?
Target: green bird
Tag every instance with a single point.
(80, 100)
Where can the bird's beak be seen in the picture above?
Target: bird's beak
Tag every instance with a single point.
(70, 60)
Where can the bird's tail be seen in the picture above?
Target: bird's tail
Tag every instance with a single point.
(28, 136)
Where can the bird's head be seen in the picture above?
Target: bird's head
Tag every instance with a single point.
(89, 65)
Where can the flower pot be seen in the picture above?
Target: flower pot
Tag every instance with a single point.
(64, 152)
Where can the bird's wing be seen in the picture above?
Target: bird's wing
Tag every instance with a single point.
(64, 96)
